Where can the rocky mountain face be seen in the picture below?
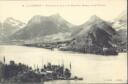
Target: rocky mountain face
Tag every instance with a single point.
(0, 27)
(94, 36)
(120, 24)
(99, 36)
(121, 21)
(92, 21)
(0, 30)
(41, 26)
(10, 26)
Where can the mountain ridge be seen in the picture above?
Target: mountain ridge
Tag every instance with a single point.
(93, 36)
(40, 26)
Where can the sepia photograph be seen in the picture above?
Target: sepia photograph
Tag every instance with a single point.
(63, 42)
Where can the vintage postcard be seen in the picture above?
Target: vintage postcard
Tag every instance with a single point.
(63, 41)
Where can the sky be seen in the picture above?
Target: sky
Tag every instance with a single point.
(78, 13)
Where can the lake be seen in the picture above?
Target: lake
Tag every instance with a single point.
(93, 68)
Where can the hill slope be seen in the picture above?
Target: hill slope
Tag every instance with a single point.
(94, 36)
(41, 26)
(10, 26)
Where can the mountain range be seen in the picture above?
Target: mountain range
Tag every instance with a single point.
(41, 26)
(91, 37)
(10, 26)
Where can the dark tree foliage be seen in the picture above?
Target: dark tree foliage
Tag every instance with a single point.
(12, 69)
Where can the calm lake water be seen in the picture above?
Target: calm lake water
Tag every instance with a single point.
(93, 68)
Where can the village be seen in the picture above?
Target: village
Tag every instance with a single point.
(21, 73)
